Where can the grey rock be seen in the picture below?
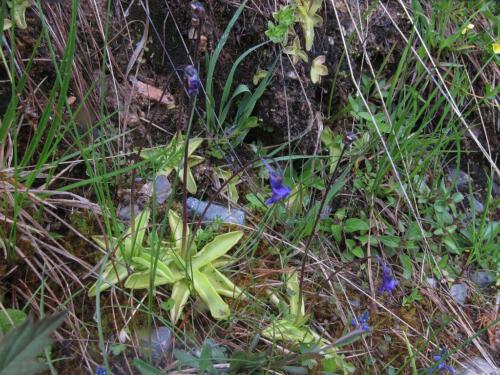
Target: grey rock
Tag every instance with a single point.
(214, 211)
(163, 189)
(461, 180)
(496, 189)
(478, 206)
(159, 343)
(124, 211)
(459, 293)
(482, 278)
(478, 366)
(432, 282)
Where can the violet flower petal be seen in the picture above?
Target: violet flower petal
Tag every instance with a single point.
(389, 283)
(279, 191)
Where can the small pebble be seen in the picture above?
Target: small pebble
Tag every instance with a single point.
(227, 215)
(163, 189)
(478, 206)
(160, 341)
(482, 278)
(461, 180)
(432, 282)
(125, 212)
(459, 293)
(478, 366)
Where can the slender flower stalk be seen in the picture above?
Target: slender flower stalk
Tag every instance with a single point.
(279, 191)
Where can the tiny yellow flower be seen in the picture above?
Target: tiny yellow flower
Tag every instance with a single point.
(466, 29)
(496, 47)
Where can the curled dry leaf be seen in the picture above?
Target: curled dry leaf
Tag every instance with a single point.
(154, 93)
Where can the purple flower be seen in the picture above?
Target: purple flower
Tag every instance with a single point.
(101, 371)
(350, 137)
(441, 365)
(389, 283)
(362, 321)
(192, 80)
(279, 190)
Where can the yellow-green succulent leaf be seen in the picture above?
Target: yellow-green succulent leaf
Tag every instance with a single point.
(286, 331)
(142, 280)
(318, 69)
(194, 143)
(162, 270)
(134, 236)
(218, 247)
(175, 223)
(111, 275)
(218, 308)
(293, 289)
(191, 182)
(180, 295)
(221, 283)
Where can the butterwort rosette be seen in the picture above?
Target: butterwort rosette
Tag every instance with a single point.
(193, 82)
(389, 283)
(279, 191)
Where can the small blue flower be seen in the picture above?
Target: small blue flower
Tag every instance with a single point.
(441, 365)
(192, 80)
(100, 370)
(389, 283)
(279, 190)
(362, 321)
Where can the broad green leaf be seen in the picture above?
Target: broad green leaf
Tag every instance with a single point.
(19, 349)
(390, 241)
(407, 267)
(221, 283)
(10, 318)
(180, 295)
(111, 275)
(358, 252)
(218, 308)
(220, 245)
(355, 225)
(296, 310)
(142, 280)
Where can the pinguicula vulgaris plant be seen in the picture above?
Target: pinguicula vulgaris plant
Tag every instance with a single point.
(18, 8)
(307, 15)
(189, 271)
(122, 250)
(170, 158)
(293, 329)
